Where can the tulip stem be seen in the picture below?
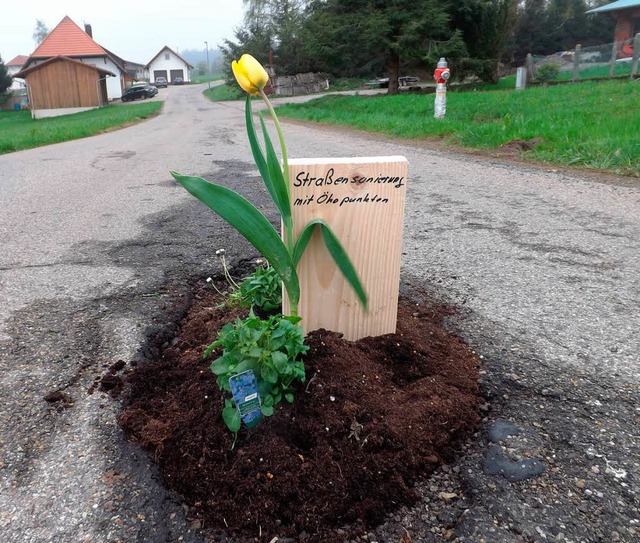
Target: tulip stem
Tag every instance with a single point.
(285, 165)
(285, 162)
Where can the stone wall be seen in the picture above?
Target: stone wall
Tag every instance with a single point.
(295, 85)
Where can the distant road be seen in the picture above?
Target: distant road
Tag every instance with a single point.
(98, 244)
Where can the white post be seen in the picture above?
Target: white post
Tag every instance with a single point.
(441, 101)
(521, 78)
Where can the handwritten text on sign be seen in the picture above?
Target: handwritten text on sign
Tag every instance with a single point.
(330, 179)
(362, 199)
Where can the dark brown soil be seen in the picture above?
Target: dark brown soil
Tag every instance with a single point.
(373, 417)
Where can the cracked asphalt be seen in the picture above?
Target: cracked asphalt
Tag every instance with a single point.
(100, 249)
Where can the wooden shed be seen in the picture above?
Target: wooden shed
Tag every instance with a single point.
(60, 86)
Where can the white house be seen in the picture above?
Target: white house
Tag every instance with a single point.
(168, 64)
(70, 41)
(13, 67)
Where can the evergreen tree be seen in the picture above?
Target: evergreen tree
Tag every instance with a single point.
(545, 27)
(282, 20)
(487, 29)
(376, 32)
(531, 30)
(5, 78)
(336, 41)
(255, 40)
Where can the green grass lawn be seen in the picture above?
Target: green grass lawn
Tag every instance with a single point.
(224, 92)
(207, 77)
(19, 131)
(233, 92)
(621, 69)
(592, 125)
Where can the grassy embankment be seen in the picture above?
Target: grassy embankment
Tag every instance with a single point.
(591, 125)
(225, 92)
(621, 69)
(19, 131)
(197, 78)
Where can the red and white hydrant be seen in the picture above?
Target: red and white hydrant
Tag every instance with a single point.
(441, 76)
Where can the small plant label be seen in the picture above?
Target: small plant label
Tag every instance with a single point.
(362, 200)
(244, 388)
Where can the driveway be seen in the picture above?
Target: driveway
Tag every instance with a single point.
(99, 250)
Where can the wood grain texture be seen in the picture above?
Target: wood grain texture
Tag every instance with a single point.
(64, 84)
(362, 199)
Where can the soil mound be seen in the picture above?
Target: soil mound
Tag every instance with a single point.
(373, 416)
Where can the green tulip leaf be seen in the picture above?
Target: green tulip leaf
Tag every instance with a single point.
(342, 260)
(269, 169)
(258, 156)
(303, 240)
(246, 219)
(337, 252)
(276, 178)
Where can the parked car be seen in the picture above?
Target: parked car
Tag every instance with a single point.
(161, 82)
(139, 91)
(178, 81)
(406, 80)
(383, 82)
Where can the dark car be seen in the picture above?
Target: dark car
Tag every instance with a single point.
(383, 82)
(178, 81)
(161, 82)
(140, 91)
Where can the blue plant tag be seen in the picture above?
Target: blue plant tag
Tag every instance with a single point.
(244, 388)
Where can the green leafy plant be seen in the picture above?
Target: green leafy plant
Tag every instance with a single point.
(245, 217)
(262, 289)
(547, 72)
(271, 349)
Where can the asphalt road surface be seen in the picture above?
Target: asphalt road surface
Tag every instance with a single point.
(98, 242)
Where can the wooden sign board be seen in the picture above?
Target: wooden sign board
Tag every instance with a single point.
(362, 199)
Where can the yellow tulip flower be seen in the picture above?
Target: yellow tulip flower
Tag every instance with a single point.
(250, 74)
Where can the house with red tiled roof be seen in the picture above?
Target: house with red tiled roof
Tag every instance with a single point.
(68, 40)
(170, 65)
(62, 86)
(13, 67)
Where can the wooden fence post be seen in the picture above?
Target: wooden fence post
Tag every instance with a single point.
(576, 63)
(614, 57)
(636, 55)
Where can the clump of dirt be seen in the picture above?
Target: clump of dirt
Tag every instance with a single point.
(517, 146)
(374, 416)
(110, 382)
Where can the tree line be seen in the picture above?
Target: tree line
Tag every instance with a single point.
(367, 38)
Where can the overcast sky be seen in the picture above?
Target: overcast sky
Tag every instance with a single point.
(131, 29)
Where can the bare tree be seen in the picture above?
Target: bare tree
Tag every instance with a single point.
(40, 32)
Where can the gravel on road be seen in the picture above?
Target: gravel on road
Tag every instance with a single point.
(101, 248)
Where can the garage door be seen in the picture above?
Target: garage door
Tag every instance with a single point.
(176, 73)
(159, 73)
